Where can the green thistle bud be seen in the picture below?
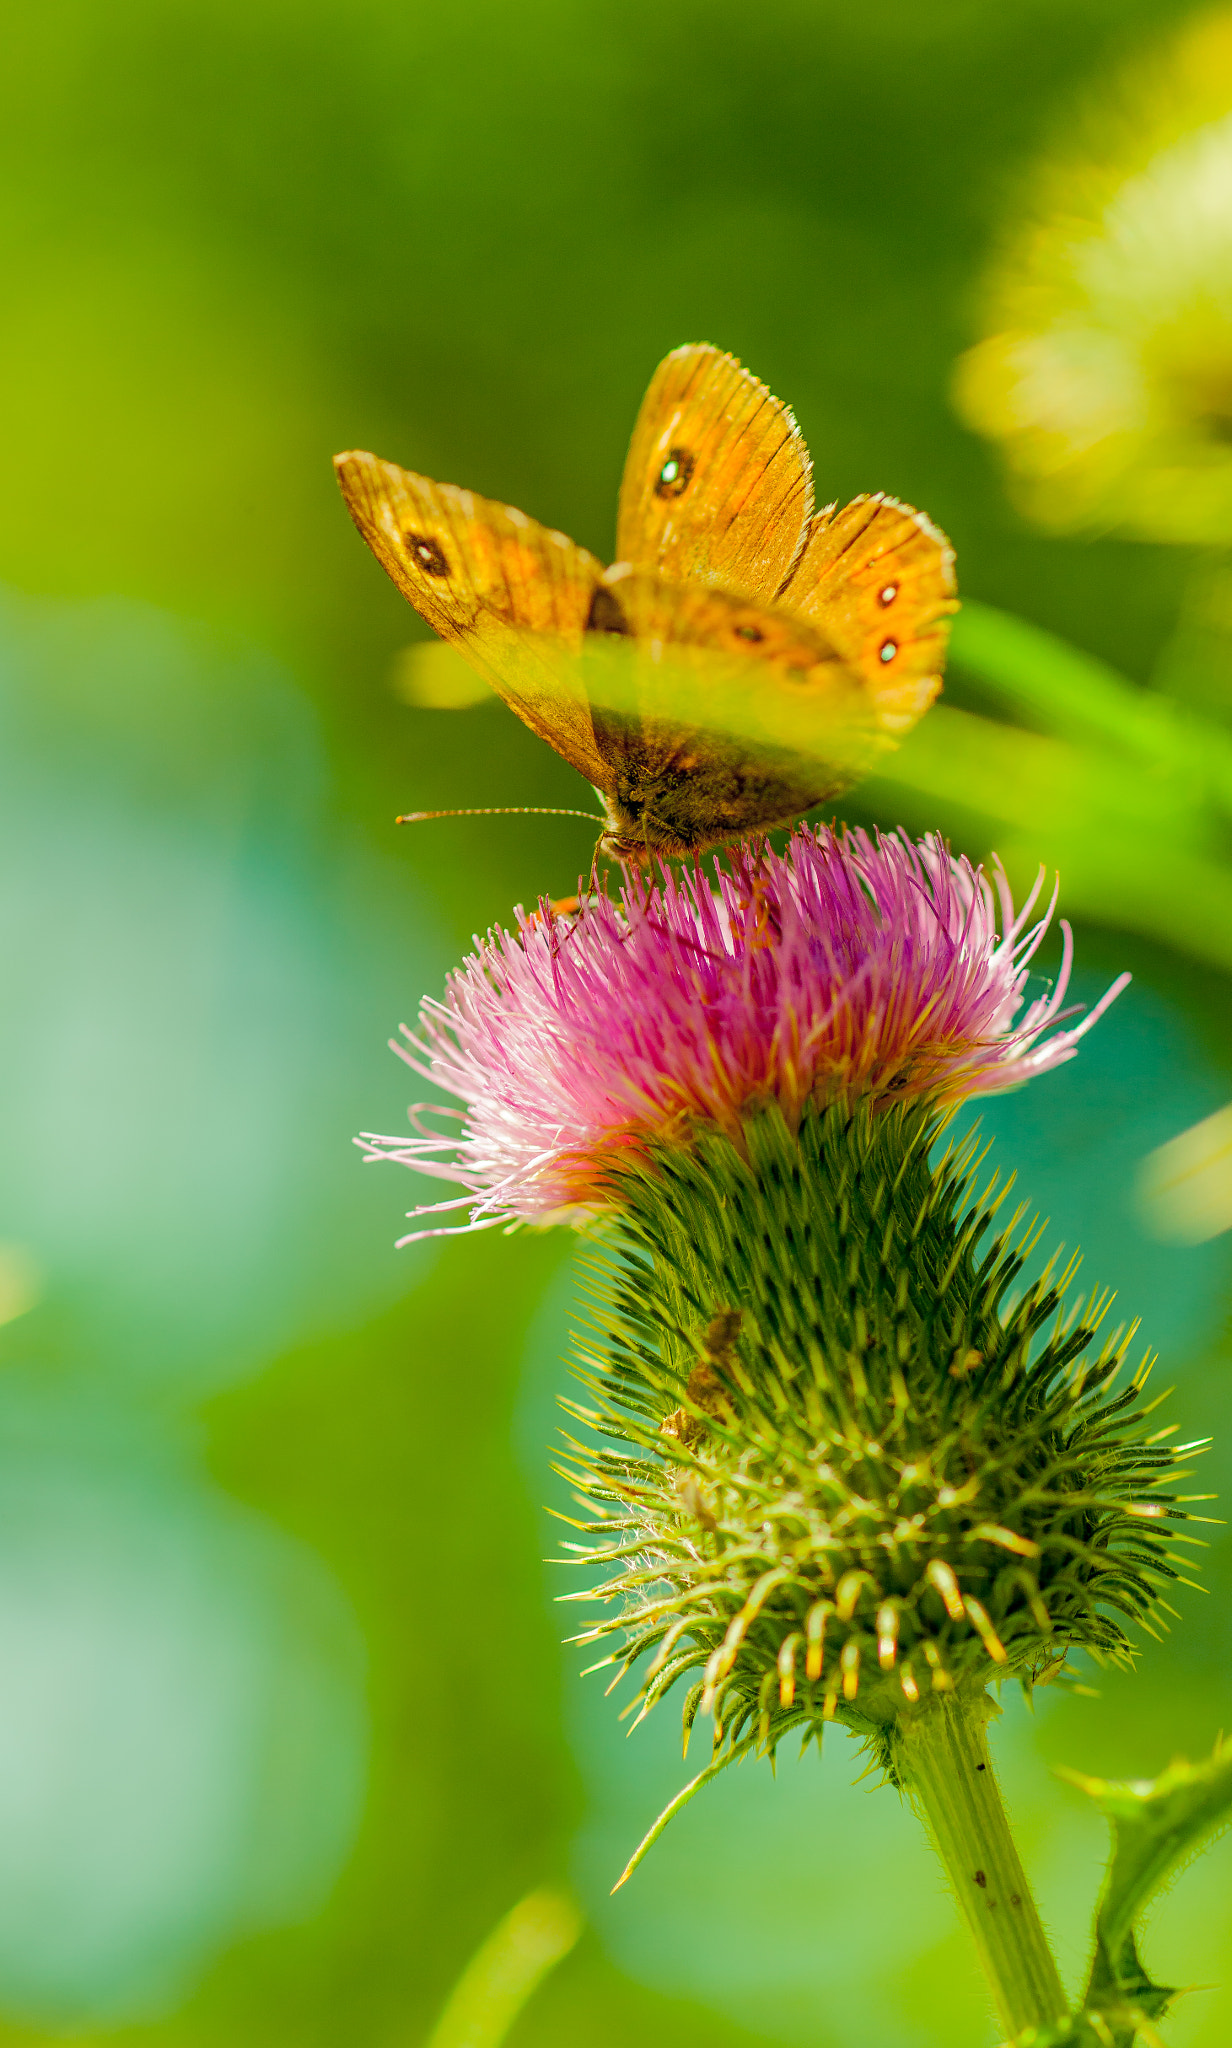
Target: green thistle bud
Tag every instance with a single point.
(841, 1471)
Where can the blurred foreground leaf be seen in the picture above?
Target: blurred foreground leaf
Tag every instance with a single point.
(1125, 791)
(433, 677)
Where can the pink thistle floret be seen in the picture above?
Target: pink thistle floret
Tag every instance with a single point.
(848, 966)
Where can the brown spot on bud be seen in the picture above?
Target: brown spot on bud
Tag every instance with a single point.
(685, 1428)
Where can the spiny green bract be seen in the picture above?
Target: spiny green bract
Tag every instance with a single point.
(849, 1472)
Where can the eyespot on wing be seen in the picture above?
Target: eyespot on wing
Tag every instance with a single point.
(510, 595)
(717, 486)
(877, 578)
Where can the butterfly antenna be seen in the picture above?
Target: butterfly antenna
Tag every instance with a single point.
(501, 811)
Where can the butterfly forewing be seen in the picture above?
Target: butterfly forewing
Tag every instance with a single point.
(717, 486)
(877, 579)
(509, 594)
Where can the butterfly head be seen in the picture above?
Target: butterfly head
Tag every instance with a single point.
(629, 836)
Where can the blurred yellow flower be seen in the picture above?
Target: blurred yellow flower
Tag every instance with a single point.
(1106, 367)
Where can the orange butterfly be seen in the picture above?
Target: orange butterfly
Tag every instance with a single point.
(744, 659)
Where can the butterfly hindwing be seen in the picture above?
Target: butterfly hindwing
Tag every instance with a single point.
(877, 578)
(716, 716)
(687, 628)
(509, 594)
(717, 485)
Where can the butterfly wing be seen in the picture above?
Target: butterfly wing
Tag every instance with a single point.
(877, 579)
(717, 486)
(717, 716)
(509, 594)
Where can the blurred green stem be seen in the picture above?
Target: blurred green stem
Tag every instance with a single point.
(507, 1970)
(942, 1752)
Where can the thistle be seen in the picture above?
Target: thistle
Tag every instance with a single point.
(839, 1462)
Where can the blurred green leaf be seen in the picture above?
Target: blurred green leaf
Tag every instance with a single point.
(1036, 674)
(1156, 1827)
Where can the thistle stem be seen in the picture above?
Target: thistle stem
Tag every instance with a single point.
(942, 1752)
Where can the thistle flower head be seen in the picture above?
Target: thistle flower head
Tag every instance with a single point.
(849, 968)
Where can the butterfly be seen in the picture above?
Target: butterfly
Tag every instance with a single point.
(745, 657)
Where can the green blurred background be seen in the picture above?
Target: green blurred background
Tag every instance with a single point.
(284, 1723)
